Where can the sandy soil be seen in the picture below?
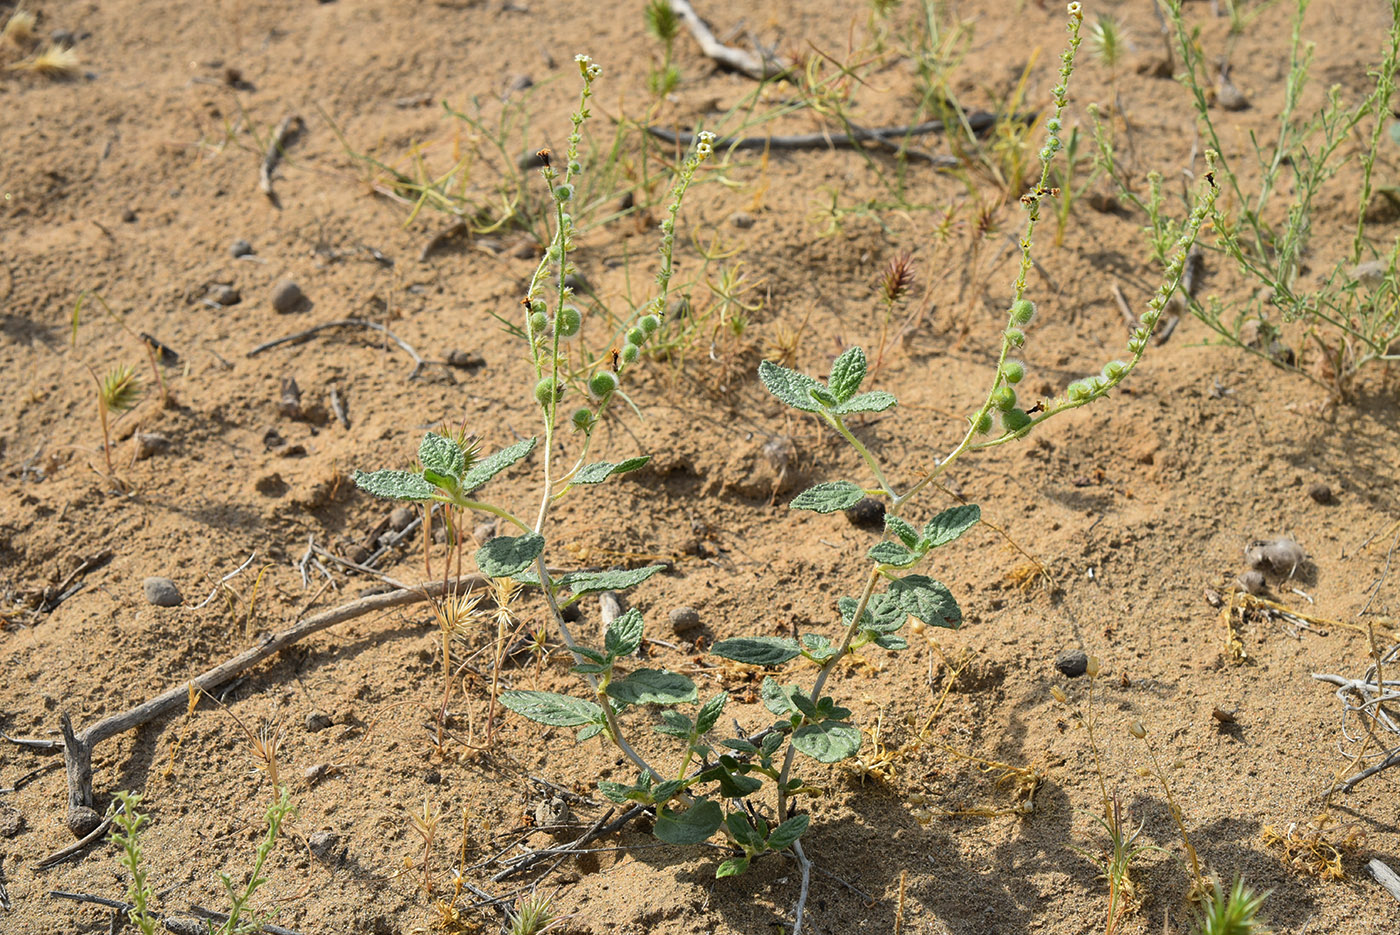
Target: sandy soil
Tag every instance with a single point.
(134, 179)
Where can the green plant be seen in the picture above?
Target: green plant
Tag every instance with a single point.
(127, 835)
(1115, 863)
(533, 914)
(239, 898)
(1347, 314)
(117, 392)
(714, 787)
(665, 25)
(1231, 913)
(1198, 882)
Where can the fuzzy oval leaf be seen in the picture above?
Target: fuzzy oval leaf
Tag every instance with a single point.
(789, 386)
(948, 525)
(902, 530)
(709, 713)
(828, 497)
(489, 467)
(817, 647)
(928, 600)
(618, 579)
(757, 650)
(507, 555)
(892, 553)
(778, 698)
(442, 455)
(624, 634)
(732, 867)
(827, 742)
(395, 485)
(876, 401)
(552, 709)
(600, 471)
(786, 834)
(847, 372)
(653, 686)
(692, 826)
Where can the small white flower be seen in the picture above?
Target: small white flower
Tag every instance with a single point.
(1075, 8)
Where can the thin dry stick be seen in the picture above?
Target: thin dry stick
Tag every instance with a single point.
(977, 121)
(726, 56)
(286, 131)
(78, 846)
(78, 748)
(418, 362)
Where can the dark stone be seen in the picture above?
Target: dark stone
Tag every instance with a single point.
(742, 220)
(869, 513)
(321, 843)
(316, 722)
(465, 360)
(226, 295)
(162, 592)
(684, 619)
(1072, 662)
(287, 297)
(241, 248)
(82, 821)
(1320, 492)
(401, 517)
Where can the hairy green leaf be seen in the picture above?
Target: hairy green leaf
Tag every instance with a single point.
(892, 553)
(442, 455)
(928, 600)
(948, 525)
(614, 791)
(789, 386)
(589, 732)
(828, 497)
(817, 647)
(489, 467)
(778, 698)
(600, 471)
(395, 485)
(786, 834)
(757, 650)
(732, 867)
(847, 372)
(692, 826)
(827, 741)
(710, 712)
(552, 709)
(891, 642)
(902, 531)
(739, 744)
(506, 555)
(653, 686)
(624, 634)
(618, 579)
(674, 724)
(733, 785)
(877, 401)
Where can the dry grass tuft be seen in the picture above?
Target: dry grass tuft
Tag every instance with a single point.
(19, 28)
(55, 61)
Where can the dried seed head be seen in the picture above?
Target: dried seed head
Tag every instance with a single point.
(1137, 730)
(1058, 694)
(1093, 667)
(1281, 555)
(898, 278)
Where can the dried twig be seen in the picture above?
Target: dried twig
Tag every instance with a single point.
(768, 66)
(977, 121)
(1365, 698)
(282, 137)
(1385, 876)
(80, 845)
(418, 362)
(78, 746)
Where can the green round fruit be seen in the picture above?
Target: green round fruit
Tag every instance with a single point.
(1004, 398)
(582, 419)
(983, 424)
(630, 353)
(538, 322)
(1015, 337)
(1015, 419)
(635, 336)
(568, 321)
(1014, 371)
(1078, 391)
(649, 324)
(1022, 311)
(548, 391)
(603, 383)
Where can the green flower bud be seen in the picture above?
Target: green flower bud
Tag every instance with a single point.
(603, 383)
(567, 322)
(1014, 371)
(563, 193)
(1004, 398)
(1015, 337)
(1015, 419)
(630, 353)
(548, 391)
(1114, 370)
(635, 336)
(649, 324)
(538, 322)
(1022, 311)
(983, 425)
(1078, 391)
(582, 419)
(538, 307)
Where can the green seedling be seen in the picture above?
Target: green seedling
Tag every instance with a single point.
(533, 914)
(717, 782)
(1233, 912)
(1115, 863)
(127, 836)
(663, 23)
(117, 392)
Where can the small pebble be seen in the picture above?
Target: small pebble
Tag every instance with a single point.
(11, 821)
(572, 614)
(82, 821)
(241, 248)
(320, 842)
(1251, 582)
(742, 220)
(519, 83)
(357, 554)
(226, 295)
(150, 443)
(869, 513)
(128, 216)
(400, 518)
(465, 360)
(287, 297)
(1072, 662)
(684, 619)
(432, 777)
(162, 592)
(316, 721)
(1320, 492)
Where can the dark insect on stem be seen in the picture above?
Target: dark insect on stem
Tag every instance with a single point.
(543, 157)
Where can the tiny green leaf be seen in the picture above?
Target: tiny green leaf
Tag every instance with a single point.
(786, 834)
(732, 867)
(902, 530)
(442, 455)
(822, 395)
(589, 732)
(674, 724)
(506, 555)
(948, 525)
(757, 650)
(395, 485)
(877, 401)
(618, 579)
(789, 386)
(710, 712)
(827, 741)
(733, 785)
(739, 744)
(928, 600)
(600, 471)
(489, 467)
(742, 831)
(828, 497)
(692, 826)
(614, 791)
(653, 686)
(892, 553)
(816, 647)
(778, 698)
(847, 372)
(552, 709)
(624, 634)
